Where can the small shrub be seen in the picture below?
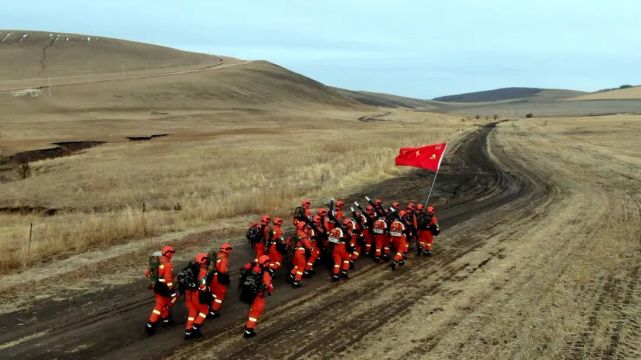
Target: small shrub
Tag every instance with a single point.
(529, 115)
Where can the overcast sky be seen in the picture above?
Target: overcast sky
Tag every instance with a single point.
(417, 48)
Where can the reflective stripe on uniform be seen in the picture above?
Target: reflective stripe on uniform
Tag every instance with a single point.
(253, 319)
(310, 264)
(157, 312)
(299, 273)
(337, 266)
(277, 263)
(170, 284)
(218, 301)
(161, 280)
(396, 234)
(356, 253)
(161, 267)
(202, 315)
(190, 319)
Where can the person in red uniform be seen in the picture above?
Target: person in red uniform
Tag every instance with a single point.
(315, 239)
(381, 239)
(306, 205)
(370, 217)
(338, 211)
(339, 253)
(299, 260)
(277, 245)
(261, 247)
(164, 291)
(398, 239)
(198, 299)
(396, 206)
(428, 228)
(258, 305)
(220, 280)
(353, 247)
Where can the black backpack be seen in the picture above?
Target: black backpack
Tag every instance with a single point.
(251, 284)
(254, 234)
(424, 221)
(187, 278)
(299, 213)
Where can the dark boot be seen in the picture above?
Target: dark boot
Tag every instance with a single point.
(351, 264)
(335, 278)
(427, 253)
(249, 333)
(296, 284)
(213, 314)
(290, 279)
(168, 322)
(344, 274)
(150, 328)
(394, 265)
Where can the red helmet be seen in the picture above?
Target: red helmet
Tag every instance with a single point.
(430, 210)
(265, 219)
(316, 219)
(402, 213)
(263, 260)
(300, 225)
(396, 204)
(348, 222)
(419, 207)
(321, 211)
(340, 204)
(411, 205)
(278, 221)
(201, 258)
(306, 203)
(378, 202)
(226, 248)
(168, 250)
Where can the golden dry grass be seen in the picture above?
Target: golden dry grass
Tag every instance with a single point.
(265, 165)
(633, 93)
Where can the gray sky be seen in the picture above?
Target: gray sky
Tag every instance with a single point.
(421, 49)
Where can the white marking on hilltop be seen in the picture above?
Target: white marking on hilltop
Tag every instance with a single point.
(6, 37)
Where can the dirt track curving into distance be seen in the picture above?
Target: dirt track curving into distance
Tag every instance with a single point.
(514, 275)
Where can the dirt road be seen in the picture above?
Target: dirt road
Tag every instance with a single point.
(539, 258)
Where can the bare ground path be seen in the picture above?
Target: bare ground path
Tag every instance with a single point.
(539, 258)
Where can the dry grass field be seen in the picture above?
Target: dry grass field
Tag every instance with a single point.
(242, 138)
(632, 93)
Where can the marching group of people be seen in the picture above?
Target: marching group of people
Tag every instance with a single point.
(332, 233)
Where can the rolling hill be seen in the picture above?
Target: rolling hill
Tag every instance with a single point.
(631, 93)
(37, 54)
(505, 94)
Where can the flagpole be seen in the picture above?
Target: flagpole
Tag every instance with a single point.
(431, 188)
(438, 168)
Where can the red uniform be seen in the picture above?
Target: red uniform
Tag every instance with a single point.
(352, 240)
(314, 251)
(399, 240)
(258, 306)
(275, 256)
(164, 300)
(220, 281)
(381, 238)
(299, 260)
(426, 237)
(339, 253)
(196, 310)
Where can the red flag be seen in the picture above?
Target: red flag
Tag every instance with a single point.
(426, 157)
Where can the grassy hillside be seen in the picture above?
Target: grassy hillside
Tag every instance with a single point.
(490, 95)
(386, 100)
(631, 93)
(33, 54)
